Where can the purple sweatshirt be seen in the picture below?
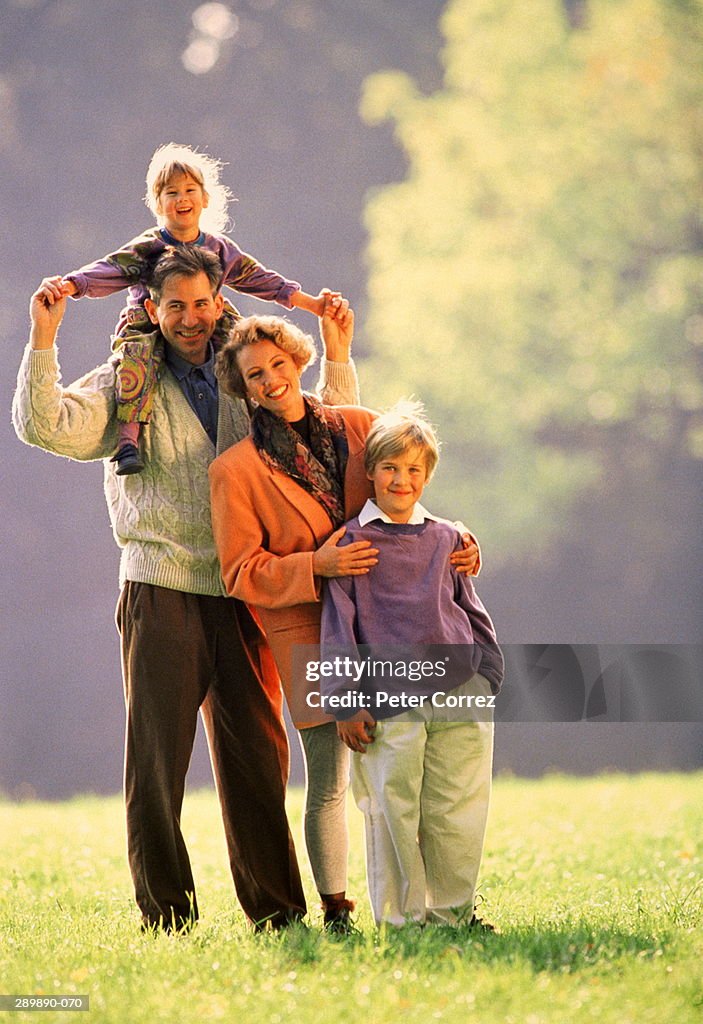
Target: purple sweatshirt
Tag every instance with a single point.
(410, 599)
(129, 266)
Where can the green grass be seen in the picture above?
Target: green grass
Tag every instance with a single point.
(595, 884)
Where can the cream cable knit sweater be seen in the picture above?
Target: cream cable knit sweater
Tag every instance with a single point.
(161, 516)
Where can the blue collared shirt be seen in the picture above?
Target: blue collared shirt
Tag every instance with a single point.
(199, 385)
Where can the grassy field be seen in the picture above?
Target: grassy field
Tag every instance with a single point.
(595, 884)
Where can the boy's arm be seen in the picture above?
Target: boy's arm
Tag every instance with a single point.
(77, 421)
(338, 639)
(492, 661)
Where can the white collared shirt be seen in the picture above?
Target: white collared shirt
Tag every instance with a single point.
(371, 511)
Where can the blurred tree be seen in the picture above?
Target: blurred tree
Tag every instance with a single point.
(536, 279)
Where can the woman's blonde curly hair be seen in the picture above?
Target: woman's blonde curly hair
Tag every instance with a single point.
(285, 335)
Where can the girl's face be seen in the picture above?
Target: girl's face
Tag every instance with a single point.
(180, 206)
(272, 379)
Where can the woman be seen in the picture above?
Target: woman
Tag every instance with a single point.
(278, 499)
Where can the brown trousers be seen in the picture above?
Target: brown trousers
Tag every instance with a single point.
(180, 653)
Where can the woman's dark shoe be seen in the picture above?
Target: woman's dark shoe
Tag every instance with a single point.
(338, 916)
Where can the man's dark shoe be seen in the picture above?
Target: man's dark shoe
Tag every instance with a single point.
(128, 460)
(281, 920)
(179, 926)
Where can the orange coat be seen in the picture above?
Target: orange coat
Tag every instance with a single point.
(266, 529)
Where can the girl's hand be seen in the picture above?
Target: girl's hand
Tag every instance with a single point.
(333, 304)
(352, 560)
(357, 732)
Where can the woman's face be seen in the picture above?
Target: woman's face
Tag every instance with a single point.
(272, 379)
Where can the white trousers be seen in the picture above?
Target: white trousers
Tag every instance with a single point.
(424, 788)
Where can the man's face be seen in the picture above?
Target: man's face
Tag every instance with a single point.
(186, 313)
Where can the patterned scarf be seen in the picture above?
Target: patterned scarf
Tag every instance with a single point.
(318, 469)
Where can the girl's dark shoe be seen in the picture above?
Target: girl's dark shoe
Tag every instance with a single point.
(128, 460)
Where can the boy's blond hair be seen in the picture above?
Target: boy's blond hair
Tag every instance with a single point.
(402, 427)
(173, 159)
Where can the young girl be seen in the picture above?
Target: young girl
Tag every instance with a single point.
(189, 203)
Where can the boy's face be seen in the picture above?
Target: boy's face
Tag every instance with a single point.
(398, 482)
(180, 206)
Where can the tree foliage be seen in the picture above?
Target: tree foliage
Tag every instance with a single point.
(536, 279)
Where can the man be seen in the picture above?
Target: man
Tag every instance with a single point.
(185, 645)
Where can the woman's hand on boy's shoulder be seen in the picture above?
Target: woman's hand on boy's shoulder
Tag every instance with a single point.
(347, 560)
(467, 559)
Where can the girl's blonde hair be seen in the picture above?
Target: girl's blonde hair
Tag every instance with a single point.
(173, 159)
(402, 427)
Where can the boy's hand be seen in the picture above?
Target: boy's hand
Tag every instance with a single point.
(351, 560)
(467, 560)
(53, 289)
(357, 732)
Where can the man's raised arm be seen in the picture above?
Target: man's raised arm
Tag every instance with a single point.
(77, 421)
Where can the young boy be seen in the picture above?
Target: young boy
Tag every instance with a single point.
(421, 777)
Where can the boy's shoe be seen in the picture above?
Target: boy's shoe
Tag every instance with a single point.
(337, 916)
(128, 460)
(479, 925)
